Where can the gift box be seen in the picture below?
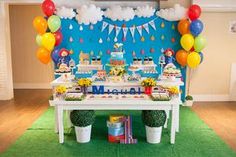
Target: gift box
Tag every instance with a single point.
(116, 131)
(115, 139)
(115, 125)
(115, 118)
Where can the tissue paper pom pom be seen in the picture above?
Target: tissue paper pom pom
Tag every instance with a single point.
(145, 11)
(89, 14)
(65, 13)
(173, 14)
(118, 13)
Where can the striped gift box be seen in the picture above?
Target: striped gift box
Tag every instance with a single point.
(116, 131)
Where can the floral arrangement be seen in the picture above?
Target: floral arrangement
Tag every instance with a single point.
(60, 89)
(149, 82)
(117, 71)
(173, 90)
(84, 82)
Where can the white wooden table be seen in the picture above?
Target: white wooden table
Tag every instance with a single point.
(108, 104)
(120, 104)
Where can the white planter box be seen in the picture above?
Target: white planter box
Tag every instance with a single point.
(188, 103)
(51, 103)
(153, 134)
(83, 134)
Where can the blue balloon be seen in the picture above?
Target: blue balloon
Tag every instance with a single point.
(202, 56)
(55, 55)
(196, 27)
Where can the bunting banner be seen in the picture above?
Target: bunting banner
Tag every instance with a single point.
(111, 27)
(145, 26)
(117, 31)
(132, 29)
(152, 24)
(125, 31)
(140, 30)
(104, 26)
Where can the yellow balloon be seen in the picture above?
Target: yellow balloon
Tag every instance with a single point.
(193, 60)
(48, 41)
(187, 41)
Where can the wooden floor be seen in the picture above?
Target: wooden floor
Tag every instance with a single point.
(18, 114)
(221, 117)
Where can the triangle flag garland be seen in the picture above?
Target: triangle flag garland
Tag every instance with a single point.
(117, 31)
(125, 31)
(132, 30)
(152, 24)
(111, 27)
(145, 26)
(104, 26)
(140, 30)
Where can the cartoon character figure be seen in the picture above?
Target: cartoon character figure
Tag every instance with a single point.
(169, 56)
(64, 57)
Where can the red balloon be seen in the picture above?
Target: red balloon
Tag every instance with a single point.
(194, 12)
(192, 49)
(48, 7)
(58, 36)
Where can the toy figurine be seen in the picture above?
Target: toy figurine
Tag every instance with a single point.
(169, 56)
(64, 57)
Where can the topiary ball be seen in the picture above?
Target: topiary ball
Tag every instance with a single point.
(82, 118)
(154, 118)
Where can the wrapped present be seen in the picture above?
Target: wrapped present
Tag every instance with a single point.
(116, 118)
(128, 132)
(115, 125)
(116, 131)
(115, 139)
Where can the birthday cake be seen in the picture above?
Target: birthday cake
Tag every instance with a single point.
(117, 57)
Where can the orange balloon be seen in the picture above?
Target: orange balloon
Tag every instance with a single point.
(40, 24)
(183, 26)
(43, 55)
(181, 57)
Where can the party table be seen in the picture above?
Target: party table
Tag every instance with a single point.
(117, 104)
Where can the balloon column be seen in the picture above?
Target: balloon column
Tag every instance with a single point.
(48, 29)
(191, 41)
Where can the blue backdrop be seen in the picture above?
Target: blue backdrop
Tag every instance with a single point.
(87, 40)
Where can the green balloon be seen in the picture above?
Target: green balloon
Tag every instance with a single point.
(54, 23)
(199, 43)
(39, 40)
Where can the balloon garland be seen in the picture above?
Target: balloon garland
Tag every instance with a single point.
(191, 41)
(49, 34)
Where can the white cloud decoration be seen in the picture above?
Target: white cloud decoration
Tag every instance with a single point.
(89, 14)
(118, 13)
(173, 14)
(145, 11)
(65, 13)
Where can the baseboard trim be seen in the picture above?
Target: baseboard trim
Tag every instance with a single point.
(212, 98)
(31, 86)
